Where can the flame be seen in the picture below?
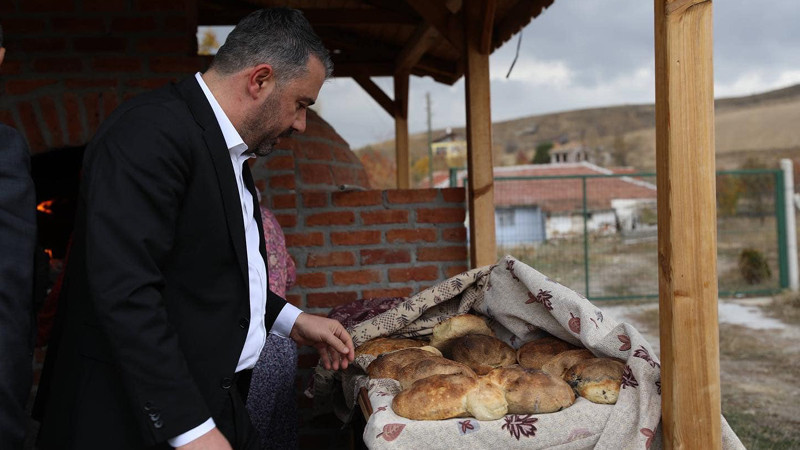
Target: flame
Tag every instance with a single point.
(45, 207)
(49, 252)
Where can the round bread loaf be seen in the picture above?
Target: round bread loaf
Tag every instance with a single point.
(457, 326)
(558, 365)
(426, 367)
(531, 391)
(441, 397)
(597, 379)
(534, 354)
(388, 365)
(482, 353)
(381, 345)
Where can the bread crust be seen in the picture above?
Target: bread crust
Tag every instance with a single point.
(445, 332)
(531, 391)
(558, 365)
(378, 346)
(534, 354)
(427, 367)
(388, 365)
(597, 379)
(440, 397)
(482, 353)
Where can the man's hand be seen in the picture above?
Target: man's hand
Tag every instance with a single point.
(328, 336)
(213, 440)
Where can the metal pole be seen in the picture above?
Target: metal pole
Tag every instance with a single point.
(430, 140)
(585, 237)
(791, 231)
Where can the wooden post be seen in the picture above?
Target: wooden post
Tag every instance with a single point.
(401, 129)
(687, 236)
(480, 194)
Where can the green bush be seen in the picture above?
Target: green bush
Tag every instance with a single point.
(753, 266)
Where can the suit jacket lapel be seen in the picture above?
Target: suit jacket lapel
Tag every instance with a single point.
(215, 143)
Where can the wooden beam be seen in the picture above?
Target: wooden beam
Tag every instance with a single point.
(423, 38)
(401, 130)
(517, 17)
(350, 16)
(490, 7)
(376, 93)
(438, 15)
(687, 225)
(480, 193)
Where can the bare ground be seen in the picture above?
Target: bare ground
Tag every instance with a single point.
(759, 366)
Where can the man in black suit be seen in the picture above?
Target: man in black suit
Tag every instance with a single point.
(17, 242)
(165, 303)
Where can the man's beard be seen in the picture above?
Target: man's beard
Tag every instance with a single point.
(265, 142)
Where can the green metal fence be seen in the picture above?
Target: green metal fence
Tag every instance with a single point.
(597, 233)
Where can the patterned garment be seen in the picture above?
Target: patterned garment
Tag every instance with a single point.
(271, 401)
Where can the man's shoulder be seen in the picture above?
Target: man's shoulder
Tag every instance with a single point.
(10, 137)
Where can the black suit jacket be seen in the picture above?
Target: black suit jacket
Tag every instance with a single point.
(155, 304)
(17, 241)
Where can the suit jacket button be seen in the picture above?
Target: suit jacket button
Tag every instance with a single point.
(155, 417)
(158, 424)
(243, 323)
(148, 406)
(226, 383)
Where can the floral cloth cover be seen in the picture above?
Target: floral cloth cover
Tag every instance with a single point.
(520, 305)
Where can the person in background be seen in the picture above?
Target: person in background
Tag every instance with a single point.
(165, 306)
(271, 401)
(17, 248)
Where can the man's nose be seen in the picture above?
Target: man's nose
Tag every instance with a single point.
(299, 124)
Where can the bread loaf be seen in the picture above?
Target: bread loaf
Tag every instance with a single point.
(455, 327)
(534, 354)
(441, 397)
(381, 345)
(482, 353)
(597, 379)
(558, 365)
(388, 365)
(531, 391)
(427, 367)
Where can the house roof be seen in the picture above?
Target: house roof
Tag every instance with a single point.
(370, 37)
(560, 195)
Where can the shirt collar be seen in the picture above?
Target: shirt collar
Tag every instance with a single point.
(236, 146)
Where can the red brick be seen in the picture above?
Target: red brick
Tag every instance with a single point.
(315, 173)
(17, 26)
(383, 293)
(57, 65)
(441, 215)
(133, 24)
(6, 117)
(286, 220)
(280, 162)
(457, 234)
(47, 5)
(457, 253)
(314, 150)
(345, 176)
(362, 179)
(411, 195)
(110, 102)
(315, 199)
(77, 24)
(159, 5)
(261, 185)
(100, 44)
(162, 45)
(385, 216)
(288, 143)
(11, 67)
(73, 114)
(32, 127)
(354, 277)
(149, 83)
(455, 270)
(116, 64)
(311, 280)
(416, 273)
(50, 115)
(304, 239)
(344, 155)
(454, 195)
(329, 299)
(179, 22)
(41, 44)
(331, 218)
(383, 256)
(83, 83)
(417, 235)
(295, 299)
(357, 198)
(19, 87)
(330, 259)
(284, 201)
(91, 104)
(282, 181)
(105, 5)
(179, 64)
(364, 237)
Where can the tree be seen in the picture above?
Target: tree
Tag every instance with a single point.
(208, 43)
(542, 155)
(381, 171)
(620, 150)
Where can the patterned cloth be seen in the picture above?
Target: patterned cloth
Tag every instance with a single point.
(271, 401)
(520, 304)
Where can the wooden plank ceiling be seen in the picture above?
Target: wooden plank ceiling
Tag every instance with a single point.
(384, 37)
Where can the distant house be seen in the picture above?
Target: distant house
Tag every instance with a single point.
(452, 147)
(534, 210)
(569, 152)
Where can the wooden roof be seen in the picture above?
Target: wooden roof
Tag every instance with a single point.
(385, 37)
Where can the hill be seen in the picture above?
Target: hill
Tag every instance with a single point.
(761, 127)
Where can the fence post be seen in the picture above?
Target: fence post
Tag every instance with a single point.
(791, 232)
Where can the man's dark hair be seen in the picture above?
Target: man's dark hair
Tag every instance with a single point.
(281, 37)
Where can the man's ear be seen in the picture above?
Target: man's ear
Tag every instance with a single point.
(261, 81)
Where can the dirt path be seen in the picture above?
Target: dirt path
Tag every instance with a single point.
(759, 368)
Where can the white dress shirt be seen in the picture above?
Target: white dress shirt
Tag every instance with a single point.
(256, 269)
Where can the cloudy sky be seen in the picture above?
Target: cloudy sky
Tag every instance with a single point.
(586, 53)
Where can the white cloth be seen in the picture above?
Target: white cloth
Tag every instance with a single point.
(257, 270)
